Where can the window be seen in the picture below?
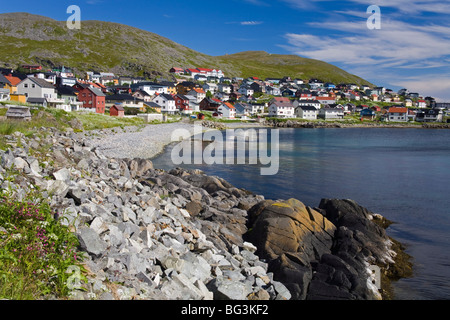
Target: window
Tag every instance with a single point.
(33, 85)
(25, 85)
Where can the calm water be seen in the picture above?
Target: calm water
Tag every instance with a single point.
(403, 174)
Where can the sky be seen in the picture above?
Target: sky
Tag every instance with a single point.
(409, 48)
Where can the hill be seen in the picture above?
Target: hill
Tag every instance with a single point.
(125, 50)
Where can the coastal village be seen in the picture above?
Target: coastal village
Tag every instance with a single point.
(203, 92)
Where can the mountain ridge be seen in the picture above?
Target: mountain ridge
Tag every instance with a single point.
(126, 50)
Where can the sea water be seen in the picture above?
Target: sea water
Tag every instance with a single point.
(402, 174)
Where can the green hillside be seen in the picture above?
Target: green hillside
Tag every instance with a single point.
(124, 50)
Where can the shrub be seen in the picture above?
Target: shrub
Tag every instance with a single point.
(35, 250)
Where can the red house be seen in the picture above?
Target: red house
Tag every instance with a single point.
(181, 102)
(91, 98)
(117, 111)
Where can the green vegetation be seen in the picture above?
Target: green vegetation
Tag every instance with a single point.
(126, 50)
(35, 249)
(93, 121)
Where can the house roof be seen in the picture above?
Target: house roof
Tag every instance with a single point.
(398, 110)
(3, 79)
(229, 105)
(97, 92)
(121, 97)
(66, 90)
(36, 100)
(118, 107)
(41, 83)
(166, 96)
(281, 99)
(308, 108)
(13, 80)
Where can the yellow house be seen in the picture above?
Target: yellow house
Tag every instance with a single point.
(14, 82)
(18, 97)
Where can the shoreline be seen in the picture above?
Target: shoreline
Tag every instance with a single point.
(181, 234)
(151, 141)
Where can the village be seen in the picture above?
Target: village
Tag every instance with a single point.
(203, 92)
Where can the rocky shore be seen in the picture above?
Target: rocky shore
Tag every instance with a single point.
(180, 235)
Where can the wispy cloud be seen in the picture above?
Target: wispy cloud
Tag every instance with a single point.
(251, 23)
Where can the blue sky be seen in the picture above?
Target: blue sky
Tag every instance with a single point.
(411, 50)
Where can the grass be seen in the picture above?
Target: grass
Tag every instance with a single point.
(36, 249)
(93, 121)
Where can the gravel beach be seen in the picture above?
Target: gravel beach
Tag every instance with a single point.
(135, 142)
(146, 142)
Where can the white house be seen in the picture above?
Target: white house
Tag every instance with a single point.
(306, 112)
(211, 87)
(307, 103)
(331, 113)
(398, 114)
(36, 88)
(246, 90)
(275, 91)
(166, 102)
(227, 110)
(199, 93)
(152, 88)
(281, 109)
(226, 88)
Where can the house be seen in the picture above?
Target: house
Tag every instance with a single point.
(430, 115)
(305, 95)
(246, 109)
(92, 98)
(70, 97)
(274, 91)
(117, 111)
(166, 102)
(36, 88)
(41, 102)
(151, 88)
(18, 113)
(182, 103)
(227, 110)
(142, 95)
(176, 70)
(210, 104)
(185, 86)
(224, 87)
(246, 90)
(367, 114)
(281, 109)
(398, 114)
(304, 103)
(289, 92)
(13, 82)
(326, 100)
(421, 104)
(211, 87)
(306, 112)
(331, 113)
(126, 100)
(199, 93)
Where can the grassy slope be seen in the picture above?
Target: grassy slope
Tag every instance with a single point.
(106, 46)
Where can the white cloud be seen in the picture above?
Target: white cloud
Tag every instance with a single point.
(251, 23)
(434, 85)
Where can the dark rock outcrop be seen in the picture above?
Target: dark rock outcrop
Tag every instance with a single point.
(321, 253)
